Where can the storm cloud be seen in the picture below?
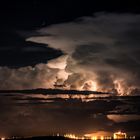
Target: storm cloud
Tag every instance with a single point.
(103, 49)
(101, 53)
(39, 76)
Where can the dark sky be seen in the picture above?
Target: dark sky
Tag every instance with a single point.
(25, 16)
(33, 13)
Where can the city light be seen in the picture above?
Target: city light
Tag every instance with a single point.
(116, 135)
(119, 135)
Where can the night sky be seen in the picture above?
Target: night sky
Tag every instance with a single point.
(69, 45)
(19, 17)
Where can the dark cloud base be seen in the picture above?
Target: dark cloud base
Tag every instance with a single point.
(17, 59)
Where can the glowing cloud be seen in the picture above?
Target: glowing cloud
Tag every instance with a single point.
(103, 49)
(123, 118)
(101, 53)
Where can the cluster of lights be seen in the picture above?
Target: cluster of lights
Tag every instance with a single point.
(121, 135)
(72, 136)
(100, 138)
(117, 135)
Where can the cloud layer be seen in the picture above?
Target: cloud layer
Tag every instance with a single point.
(100, 53)
(22, 115)
(103, 49)
(40, 76)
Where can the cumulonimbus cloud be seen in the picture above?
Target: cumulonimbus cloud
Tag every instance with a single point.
(39, 76)
(101, 53)
(103, 48)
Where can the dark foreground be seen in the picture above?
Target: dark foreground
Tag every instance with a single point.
(40, 138)
(50, 137)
